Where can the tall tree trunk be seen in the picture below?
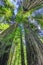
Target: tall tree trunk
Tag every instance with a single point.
(22, 50)
(4, 44)
(34, 56)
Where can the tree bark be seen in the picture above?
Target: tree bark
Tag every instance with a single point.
(34, 56)
(22, 51)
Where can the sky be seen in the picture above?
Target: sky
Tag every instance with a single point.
(1, 3)
(39, 11)
(16, 4)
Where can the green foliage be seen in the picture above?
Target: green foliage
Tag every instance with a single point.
(39, 19)
(13, 38)
(22, 16)
(7, 10)
(3, 26)
(8, 4)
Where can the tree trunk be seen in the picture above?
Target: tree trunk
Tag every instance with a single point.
(34, 56)
(22, 50)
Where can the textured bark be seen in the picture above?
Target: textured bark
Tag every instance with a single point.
(29, 4)
(4, 44)
(22, 51)
(11, 54)
(34, 55)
